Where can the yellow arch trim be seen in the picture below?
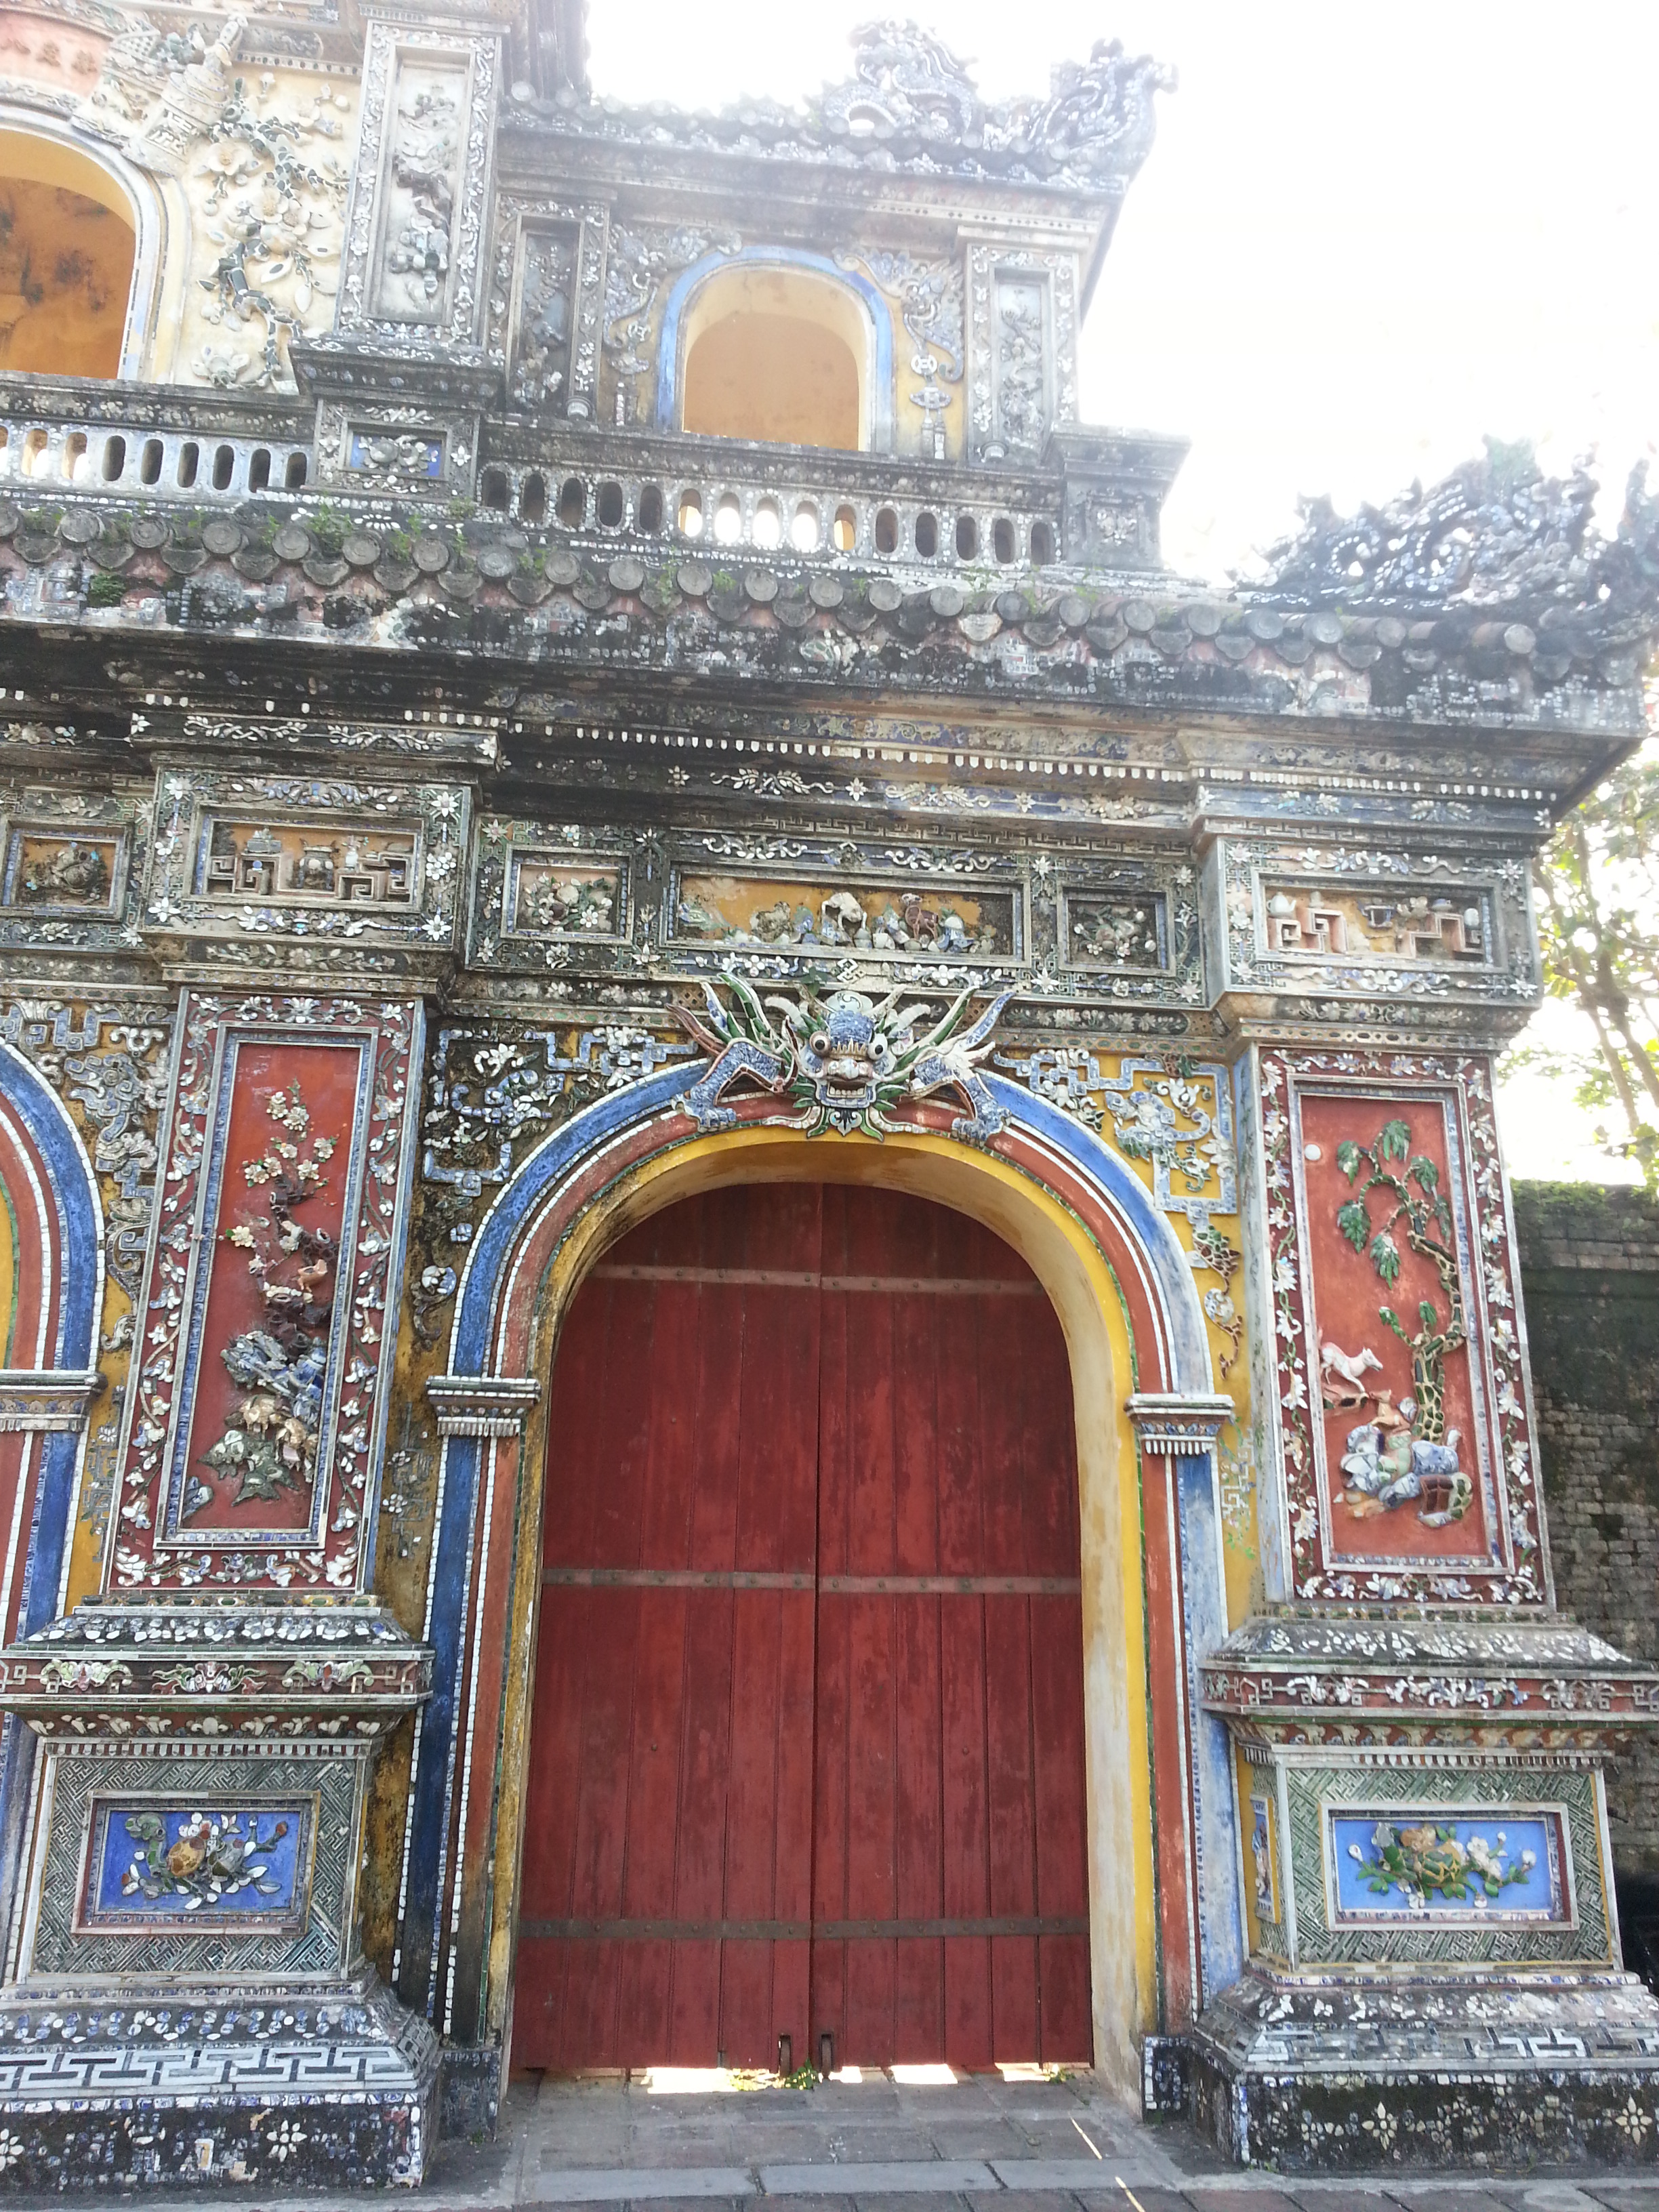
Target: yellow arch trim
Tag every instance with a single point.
(1085, 1292)
(32, 156)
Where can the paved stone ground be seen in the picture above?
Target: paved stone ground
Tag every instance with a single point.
(978, 2145)
(881, 2146)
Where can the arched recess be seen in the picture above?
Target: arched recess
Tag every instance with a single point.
(775, 310)
(41, 158)
(1164, 1914)
(51, 1288)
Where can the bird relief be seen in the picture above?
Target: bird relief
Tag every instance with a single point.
(269, 1443)
(1402, 1452)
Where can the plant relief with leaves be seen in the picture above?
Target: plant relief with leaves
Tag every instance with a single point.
(1402, 1452)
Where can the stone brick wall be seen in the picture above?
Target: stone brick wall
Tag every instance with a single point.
(1590, 1265)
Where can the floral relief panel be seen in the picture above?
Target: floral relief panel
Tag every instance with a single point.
(1438, 1863)
(155, 1863)
(1404, 1424)
(261, 1394)
(279, 1203)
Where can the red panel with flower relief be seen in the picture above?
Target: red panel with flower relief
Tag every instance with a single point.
(1405, 1419)
(260, 1399)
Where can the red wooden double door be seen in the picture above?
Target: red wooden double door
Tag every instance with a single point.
(807, 1746)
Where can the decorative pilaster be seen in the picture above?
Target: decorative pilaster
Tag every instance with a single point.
(206, 1724)
(1176, 1431)
(1420, 1740)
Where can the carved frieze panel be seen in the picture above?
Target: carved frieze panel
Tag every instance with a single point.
(1116, 924)
(66, 868)
(254, 1440)
(345, 862)
(1115, 930)
(1023, 320)
(1405, 1424)
(1444, 925)
(882, 918)
(374, 865)
(1128, 927)
(770, 906)
(548, 897)
(546, 298)
(552, 896)
(1342, 923)
(414, 246)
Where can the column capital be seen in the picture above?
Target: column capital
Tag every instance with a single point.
(52, 1398)
(481, 1405)
(1181, 1423)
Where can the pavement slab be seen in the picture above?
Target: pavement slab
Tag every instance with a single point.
(931, 2177)
(633, 2183)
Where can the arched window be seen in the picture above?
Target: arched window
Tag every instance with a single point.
(68, 245)
(777, 353)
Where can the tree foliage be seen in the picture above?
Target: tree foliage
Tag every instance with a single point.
(1598, 911)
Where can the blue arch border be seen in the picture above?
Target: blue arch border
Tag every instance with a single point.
(1218, 1904)
(74, 1196)
(80, 1244)
(690, 282)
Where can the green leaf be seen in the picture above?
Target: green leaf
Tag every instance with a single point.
(1354, 1223)
(1394, 1141)
(1424, 1174)
(1428, 1315)
(1385, 1255)
(1387, 1314)
(1348, 1156)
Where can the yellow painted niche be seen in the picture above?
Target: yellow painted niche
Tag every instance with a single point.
(67, 242)
(779, 355)
(1080, 1283)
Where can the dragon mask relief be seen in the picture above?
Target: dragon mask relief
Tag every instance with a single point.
(842, 1060)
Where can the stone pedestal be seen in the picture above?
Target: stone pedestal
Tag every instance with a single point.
(1436, 1974)
(1325, 2071)
(189, 2002)
(258, 2082)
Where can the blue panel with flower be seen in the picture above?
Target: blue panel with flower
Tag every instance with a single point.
(162, 1864)
(1437, 1862)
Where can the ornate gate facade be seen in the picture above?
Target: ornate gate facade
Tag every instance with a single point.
(449, 814)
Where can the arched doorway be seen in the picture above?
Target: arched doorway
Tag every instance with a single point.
(1163, 1901)
(807, 1745)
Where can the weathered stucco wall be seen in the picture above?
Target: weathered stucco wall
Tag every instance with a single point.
(1590, 1259)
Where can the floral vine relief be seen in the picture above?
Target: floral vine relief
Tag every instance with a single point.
(270, 1441)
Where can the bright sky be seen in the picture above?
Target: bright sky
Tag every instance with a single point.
(1364, 237)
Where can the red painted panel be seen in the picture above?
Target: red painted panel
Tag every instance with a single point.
(287, 1148)
(752, 1761)
(1347, 1294)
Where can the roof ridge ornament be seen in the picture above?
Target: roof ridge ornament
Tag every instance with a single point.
(1496, 534)
(907, 83)
(910, 103)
